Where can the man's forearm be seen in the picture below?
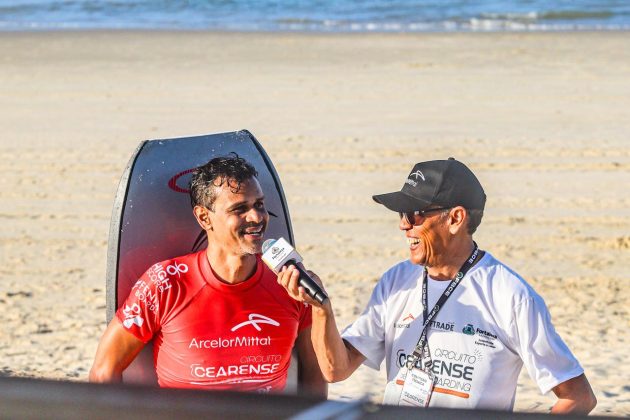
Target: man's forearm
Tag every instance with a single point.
(334, 358)
(565, 406)
(574, 396)
(116, 350)
(313, 385)
(102, 374)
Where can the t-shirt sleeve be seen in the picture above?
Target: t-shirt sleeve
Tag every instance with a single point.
(140, 313)
(547, 358)
(367, 333)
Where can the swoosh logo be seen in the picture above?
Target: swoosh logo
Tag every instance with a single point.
(254, 320)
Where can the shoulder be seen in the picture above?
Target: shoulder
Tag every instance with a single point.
(403, 275)
(175, 275)
(502, 281)
(402, 272)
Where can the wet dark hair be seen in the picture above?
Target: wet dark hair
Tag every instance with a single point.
(206, 179)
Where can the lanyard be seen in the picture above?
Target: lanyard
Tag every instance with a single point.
(421, 351)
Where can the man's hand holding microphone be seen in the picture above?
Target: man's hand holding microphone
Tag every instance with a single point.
(337, 359)
(302, 285)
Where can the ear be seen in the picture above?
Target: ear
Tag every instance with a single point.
(457, 220)
(202, 215)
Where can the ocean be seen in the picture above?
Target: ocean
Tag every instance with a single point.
(317, 15)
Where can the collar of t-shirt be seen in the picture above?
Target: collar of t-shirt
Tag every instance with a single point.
(213, 280)
(435, 289)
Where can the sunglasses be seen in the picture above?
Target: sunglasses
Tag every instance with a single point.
(415, 218)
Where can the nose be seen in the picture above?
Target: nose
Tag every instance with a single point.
(257, 214)
(404, 225)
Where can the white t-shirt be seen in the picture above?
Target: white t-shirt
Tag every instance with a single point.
(491, 325)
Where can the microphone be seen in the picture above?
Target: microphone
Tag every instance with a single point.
(278, 253)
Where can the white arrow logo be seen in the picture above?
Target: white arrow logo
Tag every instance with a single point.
(418, 174)
(255, 319)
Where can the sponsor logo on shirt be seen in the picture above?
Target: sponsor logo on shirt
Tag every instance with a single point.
(486, 334)
(484, 338)
(469, 329)
(147, 293)
(405, 322)
(443, 326)
(453, 370)
(177, 269)
(217, 372)
(254, 320)
(219, 343)
(132, 316)
(435, 325)
(247, 341)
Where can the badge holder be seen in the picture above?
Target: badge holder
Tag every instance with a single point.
(417, 388)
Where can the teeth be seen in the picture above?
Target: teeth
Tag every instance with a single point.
(413, 241)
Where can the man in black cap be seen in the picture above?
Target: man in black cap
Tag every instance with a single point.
(454, 325)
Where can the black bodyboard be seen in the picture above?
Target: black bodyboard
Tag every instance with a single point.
(152, 217)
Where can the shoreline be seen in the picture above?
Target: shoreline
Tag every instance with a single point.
(53, 31)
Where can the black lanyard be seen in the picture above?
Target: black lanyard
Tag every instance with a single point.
(422, 349)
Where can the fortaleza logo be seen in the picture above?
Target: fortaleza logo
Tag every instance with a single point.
(469, 329)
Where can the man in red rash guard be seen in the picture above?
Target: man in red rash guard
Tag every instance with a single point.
(218, 318)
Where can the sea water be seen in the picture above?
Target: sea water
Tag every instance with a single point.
(317, 15)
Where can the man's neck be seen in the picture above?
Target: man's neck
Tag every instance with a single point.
(452, 261)
(230, 268)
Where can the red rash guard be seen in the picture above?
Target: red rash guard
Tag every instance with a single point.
(212, 335)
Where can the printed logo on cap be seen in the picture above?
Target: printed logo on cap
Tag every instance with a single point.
(418, 174)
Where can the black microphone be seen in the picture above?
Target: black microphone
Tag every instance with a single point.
(280, 253)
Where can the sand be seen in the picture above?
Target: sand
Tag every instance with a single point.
(543, 119)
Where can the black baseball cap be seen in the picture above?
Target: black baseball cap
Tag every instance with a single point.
(443, 183)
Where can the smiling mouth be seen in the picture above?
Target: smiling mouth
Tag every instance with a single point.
(256, 231)
(413, 241)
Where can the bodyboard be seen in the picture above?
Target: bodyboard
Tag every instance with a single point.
(152, 217)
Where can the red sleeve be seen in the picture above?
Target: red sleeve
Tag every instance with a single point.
(141, 313)
(306, 316)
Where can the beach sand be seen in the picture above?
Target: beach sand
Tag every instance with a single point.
(543, 119)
